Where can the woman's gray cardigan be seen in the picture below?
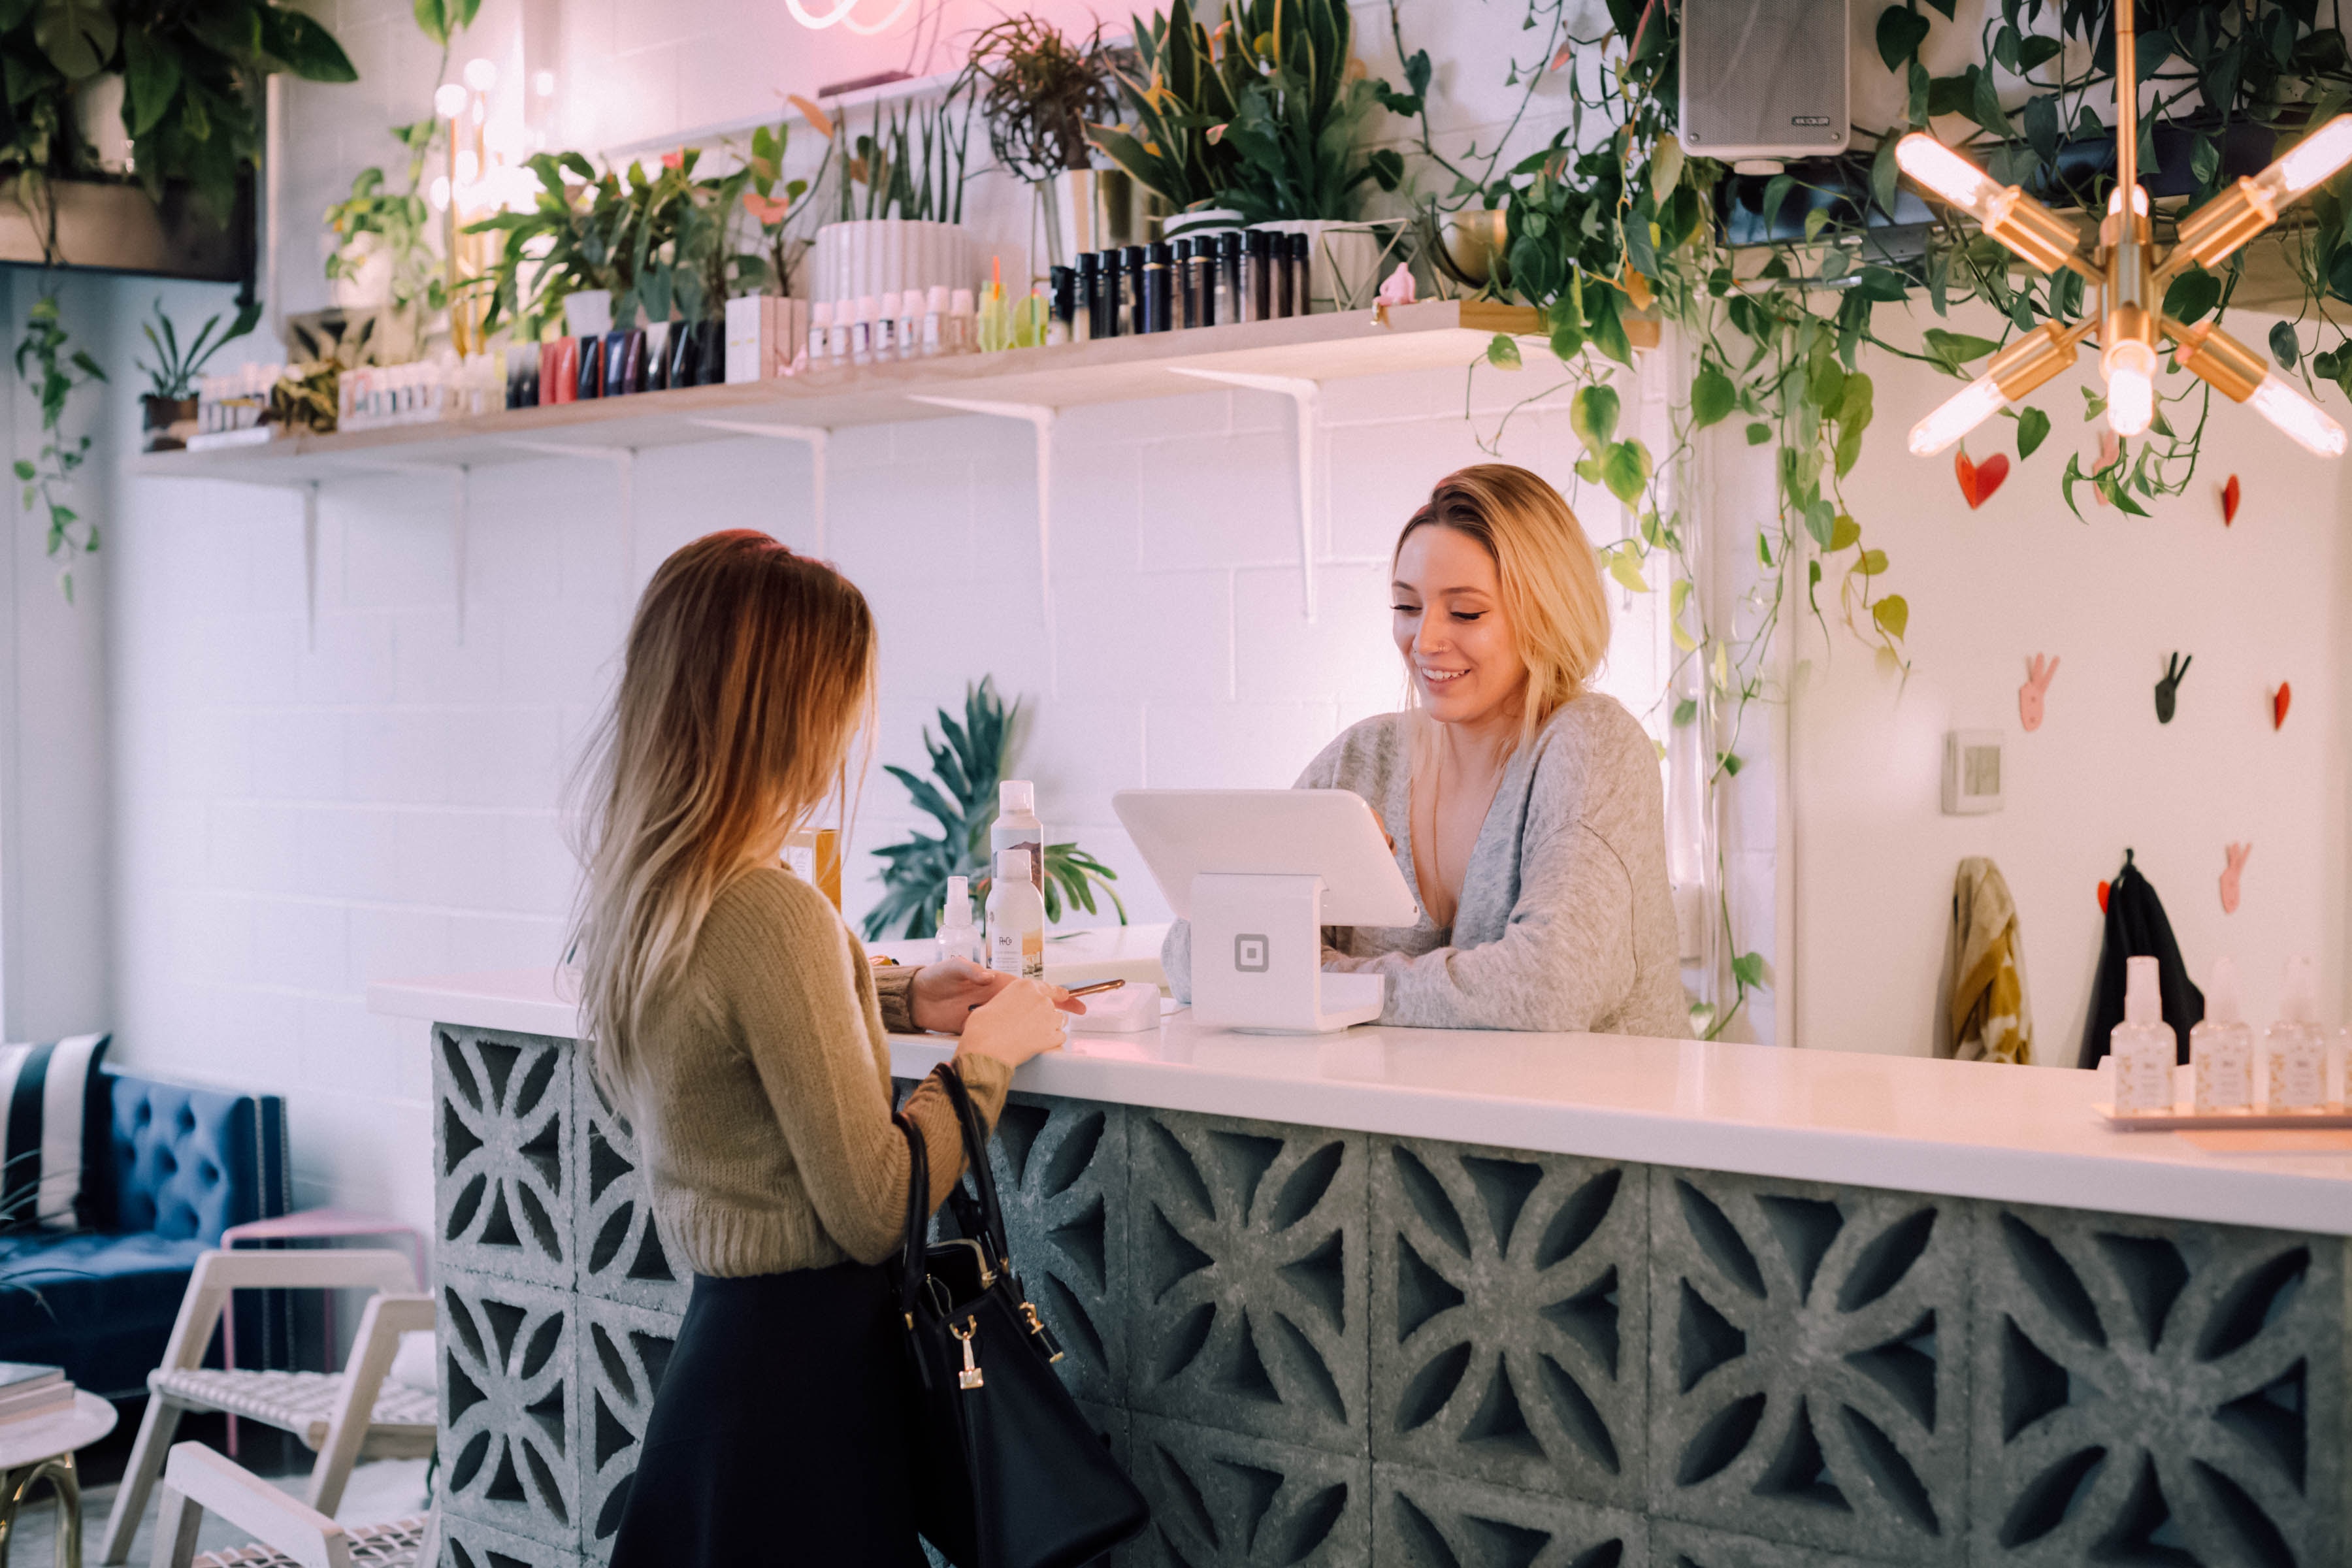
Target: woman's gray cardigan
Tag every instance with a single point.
(1565, 923)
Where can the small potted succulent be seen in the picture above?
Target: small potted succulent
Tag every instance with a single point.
(168, 408)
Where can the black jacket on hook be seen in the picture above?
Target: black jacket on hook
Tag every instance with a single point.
(2136, 928)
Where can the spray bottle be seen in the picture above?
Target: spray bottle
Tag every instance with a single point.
(1016, 919)
(2296, 1050)
(2143, 1044)
(1016, 828)
(958, 938)
(2222, 1048)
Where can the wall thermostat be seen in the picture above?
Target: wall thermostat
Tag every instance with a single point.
(1972, 772)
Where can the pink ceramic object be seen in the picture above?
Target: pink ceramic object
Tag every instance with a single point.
(1398, 289)
(2238, 854)
(2039, 669)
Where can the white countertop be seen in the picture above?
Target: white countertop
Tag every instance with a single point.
(1966, 1129)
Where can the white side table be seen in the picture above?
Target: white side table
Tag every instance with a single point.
(42, 1449)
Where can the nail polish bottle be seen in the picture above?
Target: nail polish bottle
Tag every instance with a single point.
(886, 328)
(935, 321)
(861, 330)
(1083, 309)
(1158, 278)
(1139, 317)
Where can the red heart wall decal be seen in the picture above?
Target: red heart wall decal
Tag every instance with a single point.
(2103, 898)
(2279, 699)
(1966, 473)
(1988, 475)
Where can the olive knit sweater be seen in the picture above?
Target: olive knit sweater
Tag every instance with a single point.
(762, 1100)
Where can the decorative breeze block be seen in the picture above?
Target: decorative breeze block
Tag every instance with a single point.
(624, 1351)
(502, 1156)
(620, 1252)
(1220, 1500)
(1674, 1544)
(1246, 1296)
(510, 1406)
(1423, 1520)
(1061, 1168)
(1808, 1363)
(468, 1543)
(1510, 1317)
(2158, 1391)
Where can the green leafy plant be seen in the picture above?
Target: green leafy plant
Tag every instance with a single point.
(55, 371)
(1039, 89)
(174, 373)
(613, 230)
(1270, 124)
(376, 219)
(910, 163)
(968, 763)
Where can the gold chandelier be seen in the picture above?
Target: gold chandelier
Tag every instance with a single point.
(2129, 277)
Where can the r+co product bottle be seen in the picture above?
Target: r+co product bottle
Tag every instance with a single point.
(1158, 279)
(2222, 1048)
(2296, 1050)
(1138, 310)
(1017, 827)
(2143, 1044)
(958, 938)
(1016, 919)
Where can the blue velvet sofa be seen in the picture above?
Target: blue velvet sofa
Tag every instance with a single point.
(172, 1168)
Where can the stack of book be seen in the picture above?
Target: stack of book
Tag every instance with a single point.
(27, 1390)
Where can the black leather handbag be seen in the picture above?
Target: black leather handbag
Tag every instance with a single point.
(1009, 1474)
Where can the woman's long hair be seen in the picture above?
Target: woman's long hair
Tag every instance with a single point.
(748, 675)
(1551, 580)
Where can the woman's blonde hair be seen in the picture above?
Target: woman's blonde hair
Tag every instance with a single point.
(1551, 580)
(748, 675)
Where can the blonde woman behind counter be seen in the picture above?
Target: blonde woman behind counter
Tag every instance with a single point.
(1527, 811)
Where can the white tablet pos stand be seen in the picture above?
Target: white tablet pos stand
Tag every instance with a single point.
(1259, 873)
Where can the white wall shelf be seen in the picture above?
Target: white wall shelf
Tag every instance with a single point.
(1440, 334)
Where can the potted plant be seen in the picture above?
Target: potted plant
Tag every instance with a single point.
(969, 763)
(610, 232)
(1038, 90)
(168, 408)
(899, 217)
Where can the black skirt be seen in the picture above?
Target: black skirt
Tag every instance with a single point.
(781, 1433)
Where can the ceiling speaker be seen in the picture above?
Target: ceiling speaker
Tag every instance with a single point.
(1764, 79)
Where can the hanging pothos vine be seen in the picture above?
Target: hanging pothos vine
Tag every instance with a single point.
(1611, 220)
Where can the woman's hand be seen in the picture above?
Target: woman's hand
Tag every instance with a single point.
(944, 994)
(1023, 1019)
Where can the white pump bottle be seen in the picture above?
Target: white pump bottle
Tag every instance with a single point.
(2143, 1044)
(2222, 1048)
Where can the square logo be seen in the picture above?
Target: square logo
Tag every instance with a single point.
(1249, 953)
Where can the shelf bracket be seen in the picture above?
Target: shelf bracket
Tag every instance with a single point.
(1307, 396)
(816, 436)
(624, 461)
(310, 566)
(1041, 418)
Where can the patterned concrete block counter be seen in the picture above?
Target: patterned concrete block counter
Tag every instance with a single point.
(1446, 1300)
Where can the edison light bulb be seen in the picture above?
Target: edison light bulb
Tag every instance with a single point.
(481, 74)
(2300, 417)
(2130, 367)
(1945, 172)
(439, 193)
(449, 100)
(2316, 157)
(1963, 412)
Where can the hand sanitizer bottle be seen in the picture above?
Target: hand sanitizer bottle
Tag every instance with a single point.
(2222, 1048)
(2296, 1050)
(1016, 828)
(958, 938)
(1016, 920)
(2143, 1044)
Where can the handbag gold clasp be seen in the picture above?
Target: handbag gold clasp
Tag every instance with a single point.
(970, 1378)
(1037, 1327)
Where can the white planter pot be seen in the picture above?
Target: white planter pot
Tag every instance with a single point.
(1345, 260)
(588, 313)
(890, 255)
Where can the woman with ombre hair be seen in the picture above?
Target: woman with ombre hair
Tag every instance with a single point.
(1526, 811)
(737, 1023)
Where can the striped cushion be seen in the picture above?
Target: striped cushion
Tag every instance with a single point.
(53, 1105)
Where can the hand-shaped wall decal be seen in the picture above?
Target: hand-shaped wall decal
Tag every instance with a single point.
(2279, 701)
(2038, 672)
(2167, 689)
(2237, 855)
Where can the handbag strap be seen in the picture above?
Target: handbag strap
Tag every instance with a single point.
(975, 1153)
(919, 1192)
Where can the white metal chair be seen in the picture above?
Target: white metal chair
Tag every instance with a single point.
(344, 1417)
(290, 1534)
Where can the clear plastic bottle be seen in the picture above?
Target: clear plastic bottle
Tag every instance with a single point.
(886, 328)
(935, 321)
(958, 938)
(963, 335)
(1016, 919)
(2143, 1044)
(861, 330)
(2222, 1048)
(1016, 826)
(909, 335)
(2294, 1052)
